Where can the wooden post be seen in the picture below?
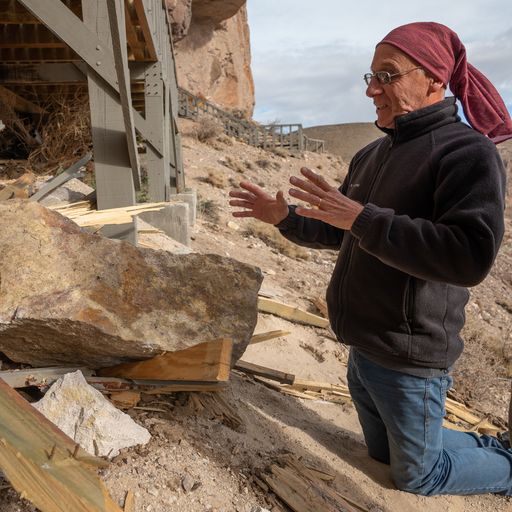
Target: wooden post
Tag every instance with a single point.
(114, 178)
(157, 164)
(300, 138)
(118, 31)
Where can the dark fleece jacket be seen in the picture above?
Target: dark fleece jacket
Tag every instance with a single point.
(433, 194)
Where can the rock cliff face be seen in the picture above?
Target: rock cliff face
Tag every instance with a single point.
(212, 47)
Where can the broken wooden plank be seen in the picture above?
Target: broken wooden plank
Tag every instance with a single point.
(38, 377)
(291, 313)
(153, 387)
(318, 386)
(216, 405)
(206, 362)
(84, 216)
(264, 336)
(462, 412)
(62, 178)
(303, 491)
(201, 387)
(263, 371)
(43, 464)
(125, 399)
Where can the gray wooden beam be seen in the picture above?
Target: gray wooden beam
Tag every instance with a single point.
(117, 28)
(62, 178)
(154, 107)
(114, 178)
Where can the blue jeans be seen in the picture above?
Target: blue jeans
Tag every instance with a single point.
(402, 417)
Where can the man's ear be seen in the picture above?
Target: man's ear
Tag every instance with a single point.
(436, 86)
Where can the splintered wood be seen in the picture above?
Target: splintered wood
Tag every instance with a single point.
(82, 213)
(218, 407)
(305, 489)
(43, 464)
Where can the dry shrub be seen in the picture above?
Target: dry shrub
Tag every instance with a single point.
(280, 152)
(233, 164)
(65, 135)
(225, 139)
(17, 133)
(271, 236)
(215, 178)
(207, 128)
(263, 163)
(208, 209)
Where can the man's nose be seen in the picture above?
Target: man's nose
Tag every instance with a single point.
(373, 88)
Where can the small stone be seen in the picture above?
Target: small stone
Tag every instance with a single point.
(187, 482)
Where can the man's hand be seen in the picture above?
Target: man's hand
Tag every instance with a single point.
(332, 206)
(259, 204)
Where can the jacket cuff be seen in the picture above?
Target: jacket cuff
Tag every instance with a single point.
(289, 222)
(363, 220)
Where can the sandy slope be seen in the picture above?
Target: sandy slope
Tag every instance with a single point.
(222, 461)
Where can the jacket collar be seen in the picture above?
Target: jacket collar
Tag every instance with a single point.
(423, 120)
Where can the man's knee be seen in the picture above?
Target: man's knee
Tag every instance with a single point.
(410, 481)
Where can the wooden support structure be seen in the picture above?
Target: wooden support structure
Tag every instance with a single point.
(94, 46)
(18, 103)
(43, 464)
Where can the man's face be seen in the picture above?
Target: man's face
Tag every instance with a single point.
(405, 93)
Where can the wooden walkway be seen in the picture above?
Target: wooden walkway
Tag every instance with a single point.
(269, 136)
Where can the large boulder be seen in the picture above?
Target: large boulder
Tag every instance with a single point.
(70, 297)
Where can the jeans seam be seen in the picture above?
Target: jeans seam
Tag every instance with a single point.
(425, 432)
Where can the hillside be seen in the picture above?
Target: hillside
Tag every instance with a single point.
(345, 139)
(199, 460)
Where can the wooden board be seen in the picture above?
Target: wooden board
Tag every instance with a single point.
(291, 313)
(43, 464)
(265, 336)
(38, 377)
(209, 361)
(262, 371)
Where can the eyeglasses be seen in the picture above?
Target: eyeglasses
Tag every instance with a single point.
(383, 77)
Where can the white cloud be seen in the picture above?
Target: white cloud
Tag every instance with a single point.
(309, 57)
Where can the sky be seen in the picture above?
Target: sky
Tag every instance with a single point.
(308, 57)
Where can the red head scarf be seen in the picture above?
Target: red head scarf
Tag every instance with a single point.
(439, 50)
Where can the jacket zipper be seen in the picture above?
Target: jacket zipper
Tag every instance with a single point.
(343, 292)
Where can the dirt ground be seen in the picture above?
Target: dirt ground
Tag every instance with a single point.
(195, 462)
